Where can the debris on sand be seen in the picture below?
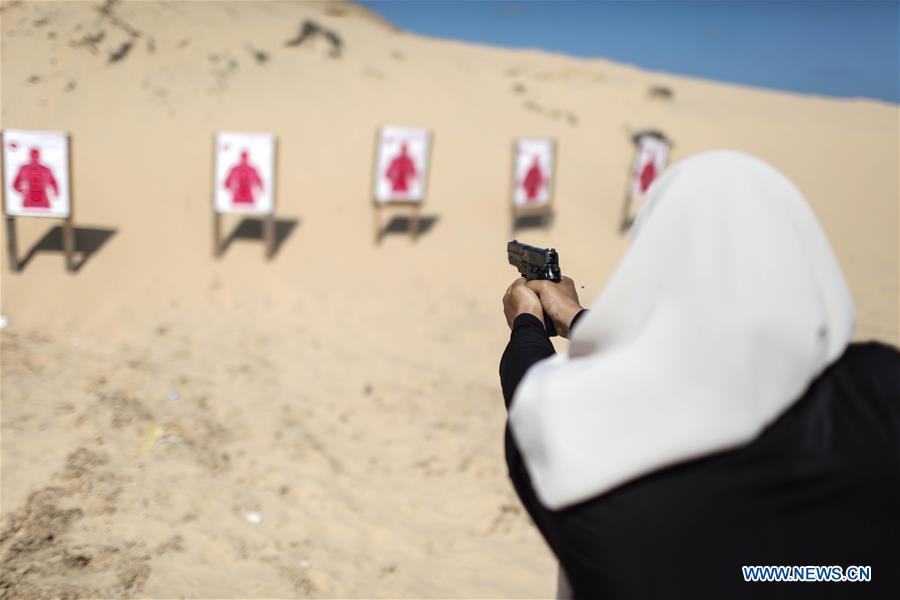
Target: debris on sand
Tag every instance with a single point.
(335, 11)
(108, 12)
(554, 113)
(336, 43)
(258, 55)
(153, 433)
(224, 68)
(107, 7)
(90, 41)
(660, 92)
(310, 29)
(121, 53)
(8, 5)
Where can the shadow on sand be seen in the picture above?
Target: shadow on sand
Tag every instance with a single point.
(532, 222)
(401, 224)
(88, 240)
(251, 228)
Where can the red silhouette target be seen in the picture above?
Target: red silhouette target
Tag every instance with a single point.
(36, 173)
(533, 172)
(402, 164)
(245, 173)
(649, 163)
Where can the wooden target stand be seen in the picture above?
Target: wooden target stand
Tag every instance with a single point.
(268, 230)
(68, 225)
(544, 211)
(268, 219)
(413, 206)
(68, 236)
(415, 212)
(636, 138)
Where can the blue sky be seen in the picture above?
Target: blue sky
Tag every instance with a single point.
(829, 48)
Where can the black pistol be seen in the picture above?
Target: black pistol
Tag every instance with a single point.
(535, 263)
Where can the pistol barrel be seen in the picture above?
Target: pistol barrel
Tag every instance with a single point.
(534, 262)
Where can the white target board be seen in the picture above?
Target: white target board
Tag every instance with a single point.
(649, 163)
(36, 173)
(401, 169)
(532, 186)
(245, 173)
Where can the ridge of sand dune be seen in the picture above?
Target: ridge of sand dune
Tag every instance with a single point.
(345, 393)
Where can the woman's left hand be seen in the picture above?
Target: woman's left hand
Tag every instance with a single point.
(520, 299)
(559, 300)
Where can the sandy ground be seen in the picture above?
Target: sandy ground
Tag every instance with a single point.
(327, 424)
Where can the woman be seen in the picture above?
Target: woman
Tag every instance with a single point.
(709, 413)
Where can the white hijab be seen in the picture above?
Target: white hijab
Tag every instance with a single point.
(728, 302)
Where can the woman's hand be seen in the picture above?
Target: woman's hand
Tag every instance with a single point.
(559, 301)
(520, 299)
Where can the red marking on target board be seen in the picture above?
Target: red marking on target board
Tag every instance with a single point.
(534, 181)
(35, 182)
(401, 170)
(243, 181)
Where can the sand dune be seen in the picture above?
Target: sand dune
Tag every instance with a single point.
(329, 423)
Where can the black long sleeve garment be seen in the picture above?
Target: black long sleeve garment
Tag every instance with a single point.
(820, 486)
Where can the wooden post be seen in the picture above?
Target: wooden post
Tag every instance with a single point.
(69, 242)
(376, 211)
(626, 204)
(269, 219)
(269, 235)
(68, 225)
(217, 217)
(414, 222)
(217, 233)
(11, 246)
